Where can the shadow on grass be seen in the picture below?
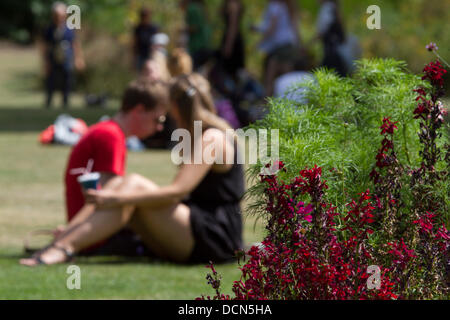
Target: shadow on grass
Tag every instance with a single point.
(13, 256)
(30, 119)
(25, 82)
(116, 260)
(93, 260)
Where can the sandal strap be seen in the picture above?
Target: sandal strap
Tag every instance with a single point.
(69, 255)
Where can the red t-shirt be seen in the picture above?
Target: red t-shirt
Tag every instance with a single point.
(104, 143)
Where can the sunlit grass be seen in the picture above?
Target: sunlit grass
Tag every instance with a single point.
(31, 197)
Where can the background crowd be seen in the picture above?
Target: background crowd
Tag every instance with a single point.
(237, 92)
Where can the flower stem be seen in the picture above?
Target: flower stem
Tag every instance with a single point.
(442, 59)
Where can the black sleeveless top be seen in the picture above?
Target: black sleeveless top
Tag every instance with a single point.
(216, 219)
(221, 187)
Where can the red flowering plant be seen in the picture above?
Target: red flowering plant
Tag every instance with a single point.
(312, 250)
(414, 222)
(387, 177)
(304, 255)
(430, 208)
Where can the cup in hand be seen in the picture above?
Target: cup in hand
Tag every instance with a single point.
(89, 180)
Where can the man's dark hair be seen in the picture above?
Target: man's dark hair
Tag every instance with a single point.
(148, 94)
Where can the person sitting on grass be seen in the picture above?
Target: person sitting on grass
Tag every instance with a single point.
(195, 219)
(103, 149)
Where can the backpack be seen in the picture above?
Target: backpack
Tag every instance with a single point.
(66, 130)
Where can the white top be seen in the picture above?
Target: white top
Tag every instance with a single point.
(289, 86)
(284, 32)
(160, 39)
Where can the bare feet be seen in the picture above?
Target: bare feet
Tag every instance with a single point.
(48, 255)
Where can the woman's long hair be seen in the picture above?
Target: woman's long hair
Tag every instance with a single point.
(192, 98)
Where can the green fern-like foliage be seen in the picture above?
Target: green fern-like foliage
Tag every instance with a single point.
(339, 127)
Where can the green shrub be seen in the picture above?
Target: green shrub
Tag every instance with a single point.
(338, 129)
(317, 249)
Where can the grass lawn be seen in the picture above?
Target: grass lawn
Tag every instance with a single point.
(31, 197)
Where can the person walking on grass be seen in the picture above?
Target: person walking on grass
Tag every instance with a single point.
(330, 30)
(142, 38)
(61, 54)
(281, 40)
(195, 219)
(232, 49)
(198, 30)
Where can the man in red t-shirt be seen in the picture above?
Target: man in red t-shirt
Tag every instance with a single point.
(103, 147)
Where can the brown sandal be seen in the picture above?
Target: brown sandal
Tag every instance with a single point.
(68, 255)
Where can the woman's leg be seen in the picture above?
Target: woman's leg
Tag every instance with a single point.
(98, 226)
(165, 230)
(112, 183)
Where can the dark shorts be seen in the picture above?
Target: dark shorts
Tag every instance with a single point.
(124, 243)
(217, 232)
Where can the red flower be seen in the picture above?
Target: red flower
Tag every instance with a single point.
(426, 223)
(422, 110)
(434, 73)
(388, 126)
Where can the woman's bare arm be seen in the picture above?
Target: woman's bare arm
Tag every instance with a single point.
(187, 179)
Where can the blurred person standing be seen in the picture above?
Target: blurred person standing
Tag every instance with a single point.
(62, 53)
(281, 38)
(330, 30)
(159, 55)
(232, 50)
(143, 34)
(198, 30)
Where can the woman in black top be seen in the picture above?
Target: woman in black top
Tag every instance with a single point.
(232, 49)
(197, 218)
